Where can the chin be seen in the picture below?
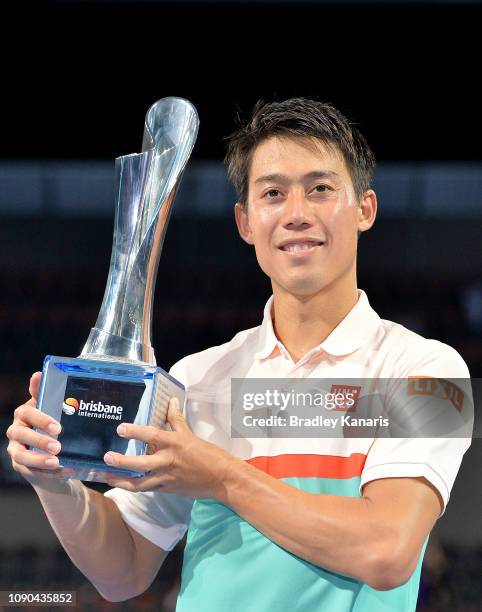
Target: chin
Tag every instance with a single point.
(303, 288)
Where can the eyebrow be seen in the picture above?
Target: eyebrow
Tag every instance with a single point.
(283, 178)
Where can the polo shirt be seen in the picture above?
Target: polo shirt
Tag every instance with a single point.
(230, 565)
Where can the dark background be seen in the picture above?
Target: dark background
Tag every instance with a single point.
(76, 76)
(76, 81)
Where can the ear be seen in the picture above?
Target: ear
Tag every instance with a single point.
(242, 222)
(367, 210)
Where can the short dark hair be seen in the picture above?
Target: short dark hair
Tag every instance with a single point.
(299, 118)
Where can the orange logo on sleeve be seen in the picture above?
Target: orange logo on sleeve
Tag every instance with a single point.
(436, 387)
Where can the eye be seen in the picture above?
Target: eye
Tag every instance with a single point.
(321, 188)
(272, 193)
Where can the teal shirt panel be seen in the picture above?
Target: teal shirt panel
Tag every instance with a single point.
(229, 566)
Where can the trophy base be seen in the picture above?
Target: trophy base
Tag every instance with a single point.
(90, 398)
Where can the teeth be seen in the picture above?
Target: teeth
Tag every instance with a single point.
(298, 246)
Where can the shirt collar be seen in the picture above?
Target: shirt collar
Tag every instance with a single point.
(353, 332)
(267, 338)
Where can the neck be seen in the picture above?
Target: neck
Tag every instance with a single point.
(303, 322)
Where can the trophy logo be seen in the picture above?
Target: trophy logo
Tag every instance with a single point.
(117, 367)
(70, 406)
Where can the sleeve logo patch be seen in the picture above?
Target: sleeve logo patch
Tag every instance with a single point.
(436, 387)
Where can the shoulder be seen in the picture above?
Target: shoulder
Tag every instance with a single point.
(218, 361)
(409, 353)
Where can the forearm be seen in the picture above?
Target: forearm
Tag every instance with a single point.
(92, 532)
(340, 534)
(120, 562)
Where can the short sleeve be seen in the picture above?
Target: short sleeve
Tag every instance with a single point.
(437, 459)
(162, 518)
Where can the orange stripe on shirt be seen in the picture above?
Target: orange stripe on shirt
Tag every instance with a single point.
(310, 466)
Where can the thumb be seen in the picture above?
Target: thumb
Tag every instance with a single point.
(175, 417)
(34, 386)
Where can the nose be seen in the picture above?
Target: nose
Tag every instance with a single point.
(297, 213)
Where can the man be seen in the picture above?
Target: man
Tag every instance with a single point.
(287, 524)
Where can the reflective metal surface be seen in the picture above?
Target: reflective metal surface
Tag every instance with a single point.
(146, 187)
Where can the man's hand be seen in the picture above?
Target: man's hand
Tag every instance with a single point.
(180, 463)
(34, 466)
(120, 562)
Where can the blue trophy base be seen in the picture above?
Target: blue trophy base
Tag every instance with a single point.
(90, 398)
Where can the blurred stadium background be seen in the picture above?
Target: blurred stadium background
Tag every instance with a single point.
(77, 80)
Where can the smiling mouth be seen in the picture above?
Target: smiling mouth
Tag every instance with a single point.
(300, 247)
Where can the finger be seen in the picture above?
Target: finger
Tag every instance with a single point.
(145, 433)
(146, 483)
(36, 474)
(29, 437)
(32, 459)
(30, 473)
(61, 473)
(32, 417)
(140, 463)
(174, 416)
(129, 484)
(35, 384)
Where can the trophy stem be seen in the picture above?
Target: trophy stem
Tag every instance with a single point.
(146, 186)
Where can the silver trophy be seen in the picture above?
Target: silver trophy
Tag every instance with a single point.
(147, 184)
(116, 378)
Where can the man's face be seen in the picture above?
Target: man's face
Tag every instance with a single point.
(303, 217)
